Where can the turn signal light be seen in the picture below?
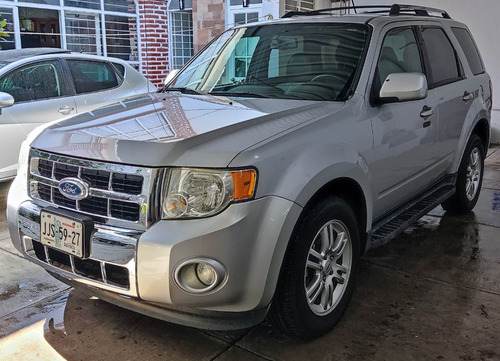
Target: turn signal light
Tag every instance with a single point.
(244, 184)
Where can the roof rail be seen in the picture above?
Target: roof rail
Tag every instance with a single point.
(326, 10)
(399, 9)
(396, 9)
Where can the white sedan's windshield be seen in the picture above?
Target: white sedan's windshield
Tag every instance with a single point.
(293, 61)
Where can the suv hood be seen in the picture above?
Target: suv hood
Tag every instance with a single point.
(177, 130)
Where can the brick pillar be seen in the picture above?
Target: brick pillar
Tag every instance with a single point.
(153, 32)
(208, 21)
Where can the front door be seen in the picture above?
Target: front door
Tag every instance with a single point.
(402, 160)
(40, 96)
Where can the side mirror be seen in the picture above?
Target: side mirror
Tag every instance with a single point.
(170, 76)
(402, 87)
(6, 100)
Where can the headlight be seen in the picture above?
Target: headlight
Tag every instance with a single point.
(196, 193)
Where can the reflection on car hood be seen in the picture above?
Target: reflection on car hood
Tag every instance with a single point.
(175, 129)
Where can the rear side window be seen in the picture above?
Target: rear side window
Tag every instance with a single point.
(90, 76)
(120, 68)
(443, 62)
(470, 50)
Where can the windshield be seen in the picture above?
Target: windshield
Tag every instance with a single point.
(291, 61)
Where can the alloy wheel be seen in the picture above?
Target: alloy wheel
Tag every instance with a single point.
(328, 267)
(473, 176)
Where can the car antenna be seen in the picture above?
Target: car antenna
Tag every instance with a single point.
(354, 5)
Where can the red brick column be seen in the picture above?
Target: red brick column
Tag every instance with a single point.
(153, 32)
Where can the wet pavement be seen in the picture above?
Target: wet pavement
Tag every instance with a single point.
(431, 294)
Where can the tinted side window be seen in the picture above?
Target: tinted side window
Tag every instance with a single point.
(443, 62)
(34, 82)
(90, 76)
(470, 50)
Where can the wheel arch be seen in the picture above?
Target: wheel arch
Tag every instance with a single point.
(482, 129)
(350, 191)
(341, 194)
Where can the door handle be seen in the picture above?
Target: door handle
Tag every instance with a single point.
(467, 96)
(65, 110)
(426, 112)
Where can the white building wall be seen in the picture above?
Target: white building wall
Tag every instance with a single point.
(481, 16)
(271, 9)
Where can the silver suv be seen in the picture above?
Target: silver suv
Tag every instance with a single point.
(254, 181)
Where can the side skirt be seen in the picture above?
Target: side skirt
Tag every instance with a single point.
(392, 224)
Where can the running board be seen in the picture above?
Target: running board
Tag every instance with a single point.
(390, 226)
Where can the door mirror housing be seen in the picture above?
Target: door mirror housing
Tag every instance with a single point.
(6, 100)
(402, 87)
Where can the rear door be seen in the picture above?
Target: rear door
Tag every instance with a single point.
(96, 83)
(453, 91)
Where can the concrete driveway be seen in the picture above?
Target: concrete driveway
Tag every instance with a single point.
(431, 294)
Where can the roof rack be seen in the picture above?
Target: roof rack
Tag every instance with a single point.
(396, 9)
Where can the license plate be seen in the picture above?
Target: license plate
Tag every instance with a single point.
(66, 234)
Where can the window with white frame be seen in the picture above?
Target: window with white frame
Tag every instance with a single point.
(181, 32)
(7, 40)
(238, 14)
(82, 33)
(101, 27)
(299, 5)
(245, 18)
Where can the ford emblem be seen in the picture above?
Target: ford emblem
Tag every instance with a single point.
(73, 188)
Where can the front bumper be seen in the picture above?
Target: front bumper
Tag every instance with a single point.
(135, 269)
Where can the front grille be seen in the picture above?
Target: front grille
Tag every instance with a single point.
(99, 271)
(113, 193)
(96, 178)
(122, 210)
(63, 170)
(126, 183)
(123, 202)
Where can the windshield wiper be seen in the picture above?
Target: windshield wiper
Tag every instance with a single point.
(182, 90)
(250, 77)
(240, 94)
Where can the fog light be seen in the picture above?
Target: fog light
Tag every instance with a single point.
(200, 275)
(206, 274)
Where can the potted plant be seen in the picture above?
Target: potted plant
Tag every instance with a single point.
(3, 34)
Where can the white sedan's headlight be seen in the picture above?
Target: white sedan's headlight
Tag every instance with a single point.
(22, 163)
(196, 193)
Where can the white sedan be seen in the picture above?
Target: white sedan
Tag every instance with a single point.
(40, 85)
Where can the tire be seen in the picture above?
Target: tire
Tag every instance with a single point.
(469, 178)
(319, 270)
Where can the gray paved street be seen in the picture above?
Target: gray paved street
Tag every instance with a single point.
(431, 294)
